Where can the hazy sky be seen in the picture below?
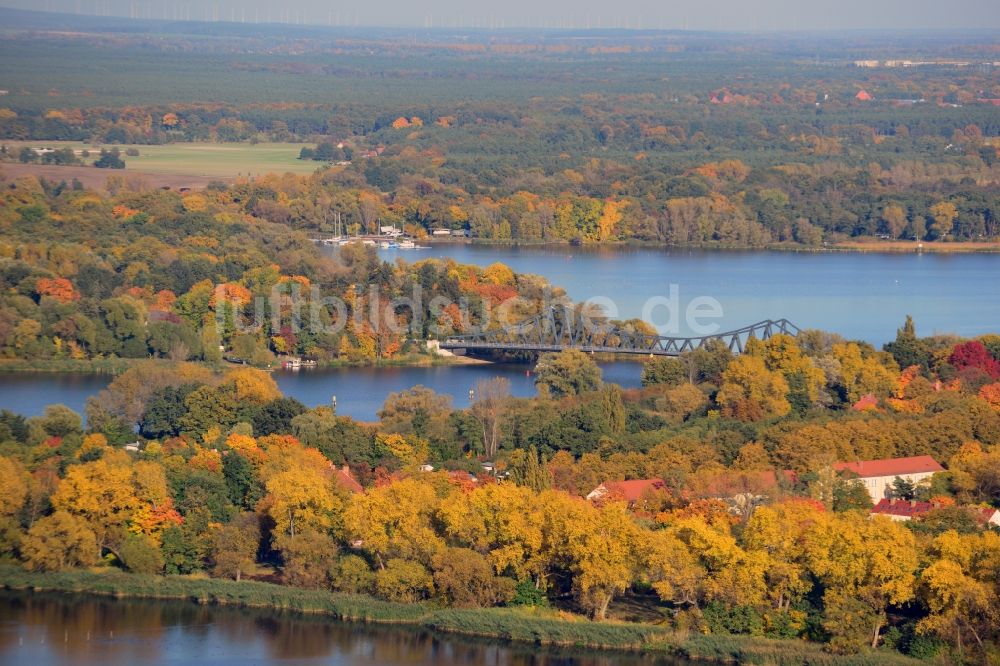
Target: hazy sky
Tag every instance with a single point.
(669, 14)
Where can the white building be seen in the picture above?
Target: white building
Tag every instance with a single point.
(878, 475)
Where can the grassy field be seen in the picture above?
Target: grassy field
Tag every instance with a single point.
(221, 161)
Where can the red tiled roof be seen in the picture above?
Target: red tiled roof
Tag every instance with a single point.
(344, 477)
(866, 402)
(631, 491)
(985, 513)
(899, 507)
(732, 483)
(893, 507)
(890, 466)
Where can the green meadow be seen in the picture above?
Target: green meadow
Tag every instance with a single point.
(210, 160)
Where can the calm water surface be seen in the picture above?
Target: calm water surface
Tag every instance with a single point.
(864, 296)
(360, 391)
(52, 630)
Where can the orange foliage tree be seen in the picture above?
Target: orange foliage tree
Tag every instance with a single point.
(60, 289)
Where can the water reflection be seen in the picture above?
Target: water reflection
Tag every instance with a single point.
(360, 391)
(48, 629)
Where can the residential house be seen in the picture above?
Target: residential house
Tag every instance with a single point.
(899, 510)
(733, 483)
(989, 516)
(346, 480)
(877, 476)
(627, 491)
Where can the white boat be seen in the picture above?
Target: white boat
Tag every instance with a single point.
(407, 245)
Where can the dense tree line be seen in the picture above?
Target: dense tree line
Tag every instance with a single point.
(151, 273)
(731, 151)
(752, 532)
(234, 479)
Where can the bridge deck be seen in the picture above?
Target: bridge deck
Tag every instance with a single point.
(556, 348)
(560, 328)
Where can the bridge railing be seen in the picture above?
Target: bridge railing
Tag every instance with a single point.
(562, 328)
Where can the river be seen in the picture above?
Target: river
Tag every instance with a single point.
(360, 392)
(859, 295)
(52, 630)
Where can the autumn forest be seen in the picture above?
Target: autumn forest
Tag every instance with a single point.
(719, 511)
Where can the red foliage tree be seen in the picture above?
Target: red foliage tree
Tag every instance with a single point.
(973, 354)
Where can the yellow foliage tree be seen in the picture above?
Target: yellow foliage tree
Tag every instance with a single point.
(733, 575)
(610, 218)
(501, 521)
(862, 376)
(603, 551)
(302, 499)
(751, 392)
(864, 563)
(58, 542)
(782, 354)
(252, 385)
(101, 492)
(962, 602)
(943, 213)
(395, 521)
(778, 531)
(408, 451)
(498, 274)
(15, 486)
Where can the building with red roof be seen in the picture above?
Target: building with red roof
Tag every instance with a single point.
(734, 482)
(628, 491)
(878, 475)
(899, 509)
(346, 480)
(987, 515)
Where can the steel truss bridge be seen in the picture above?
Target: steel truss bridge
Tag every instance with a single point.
(559, 328)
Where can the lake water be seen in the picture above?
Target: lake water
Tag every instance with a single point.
(859, 295)
(864, 296)
(52, 630)
(360, 392)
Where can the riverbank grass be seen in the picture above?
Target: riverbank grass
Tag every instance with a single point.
(525, 625)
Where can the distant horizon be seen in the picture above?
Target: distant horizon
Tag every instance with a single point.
(723, 16)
